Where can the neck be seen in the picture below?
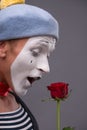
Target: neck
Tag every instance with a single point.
(8, 103)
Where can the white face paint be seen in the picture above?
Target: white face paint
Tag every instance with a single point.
(31, 62)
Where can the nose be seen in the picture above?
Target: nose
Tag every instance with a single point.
(43, 65)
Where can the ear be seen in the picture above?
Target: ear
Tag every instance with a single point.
(2, 49)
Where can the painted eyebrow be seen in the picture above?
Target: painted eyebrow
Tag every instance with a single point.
(43, 43)
(40, 43)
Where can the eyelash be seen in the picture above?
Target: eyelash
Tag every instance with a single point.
(35, 53)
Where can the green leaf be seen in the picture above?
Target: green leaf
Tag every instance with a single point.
(68, 128)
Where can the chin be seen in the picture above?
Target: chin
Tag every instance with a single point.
(21, 92)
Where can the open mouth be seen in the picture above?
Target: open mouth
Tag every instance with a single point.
(32, 79)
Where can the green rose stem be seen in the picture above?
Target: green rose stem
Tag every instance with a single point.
(58, 115)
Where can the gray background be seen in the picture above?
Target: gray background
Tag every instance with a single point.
(68, 63)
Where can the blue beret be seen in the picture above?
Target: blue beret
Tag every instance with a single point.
(23, 20)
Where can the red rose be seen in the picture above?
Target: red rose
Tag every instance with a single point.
(58, 90)
(4, 89)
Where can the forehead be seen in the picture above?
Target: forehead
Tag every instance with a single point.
(44, 41)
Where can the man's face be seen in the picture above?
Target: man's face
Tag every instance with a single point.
(31, 63)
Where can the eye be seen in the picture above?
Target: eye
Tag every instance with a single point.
(35, 52)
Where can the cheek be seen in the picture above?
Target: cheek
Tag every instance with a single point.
(24, 62)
